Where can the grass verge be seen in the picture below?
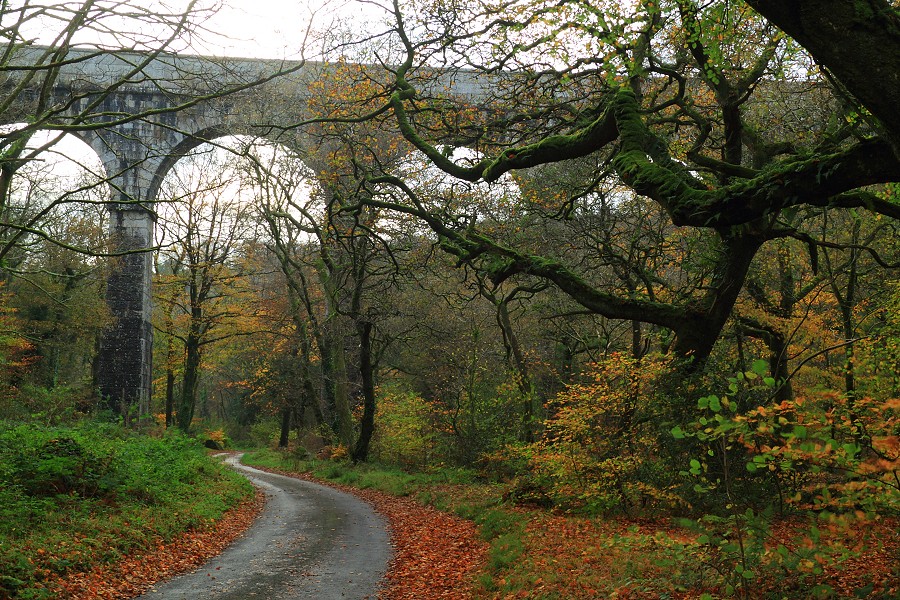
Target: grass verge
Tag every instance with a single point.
(72, 498)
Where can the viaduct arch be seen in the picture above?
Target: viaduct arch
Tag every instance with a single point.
(181, 102)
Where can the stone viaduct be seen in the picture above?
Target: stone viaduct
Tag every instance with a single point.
(151, 111)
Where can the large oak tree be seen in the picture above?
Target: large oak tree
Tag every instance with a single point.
(735, 122)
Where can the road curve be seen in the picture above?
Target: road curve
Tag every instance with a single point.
(310, 541)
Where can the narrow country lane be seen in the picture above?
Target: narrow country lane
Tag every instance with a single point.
(310, 541)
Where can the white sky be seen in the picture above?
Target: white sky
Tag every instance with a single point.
(245, 28)
(277, 28)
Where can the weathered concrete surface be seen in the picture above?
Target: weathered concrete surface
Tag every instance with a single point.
(311, 541)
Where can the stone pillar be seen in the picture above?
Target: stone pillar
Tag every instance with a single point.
(131, 153)
(124, 370)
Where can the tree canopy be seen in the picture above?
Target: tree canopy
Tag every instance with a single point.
(743, 123)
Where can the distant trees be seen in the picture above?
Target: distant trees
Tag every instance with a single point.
(292, 220)
(52, 292)
(203, 286)
(334, 262)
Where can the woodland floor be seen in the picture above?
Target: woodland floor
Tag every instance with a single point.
(440, 556)
(136, 574)
(436, 555)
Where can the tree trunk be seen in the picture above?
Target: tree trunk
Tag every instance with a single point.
(190, 383)
(170, 397)
(334, 365)
(778, 363)
(698, 332)
(367, 372)
(337, 394)
(308, 397)
(523, 378)
(778, 355)
(858, 41)
(638, 348)
(285, 427)
(849, 366)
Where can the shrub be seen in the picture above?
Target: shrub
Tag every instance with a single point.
(598, 449)
(51, 461)
(405, 435)
(215, 439)
(831, 459)
(827, 452)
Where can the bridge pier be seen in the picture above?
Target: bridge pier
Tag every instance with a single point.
(125, 362)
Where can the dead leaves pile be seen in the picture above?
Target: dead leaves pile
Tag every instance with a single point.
(436, 555)
(136, 574)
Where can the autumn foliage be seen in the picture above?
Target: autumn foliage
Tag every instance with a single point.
(599, 450)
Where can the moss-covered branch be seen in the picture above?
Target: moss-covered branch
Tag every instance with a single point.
(821, 180)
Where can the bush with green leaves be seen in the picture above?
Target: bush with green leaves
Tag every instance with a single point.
(829, 452)
(73, 497)
(828, 460)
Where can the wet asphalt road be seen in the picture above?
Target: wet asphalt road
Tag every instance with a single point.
(310, 541)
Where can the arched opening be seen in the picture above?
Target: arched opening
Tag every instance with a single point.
(214, 276)
(231, 180)
(53, 234)
(54, 195)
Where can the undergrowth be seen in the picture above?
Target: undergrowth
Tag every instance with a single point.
(74, 497)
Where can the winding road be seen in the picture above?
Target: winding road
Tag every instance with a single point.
(310, 541)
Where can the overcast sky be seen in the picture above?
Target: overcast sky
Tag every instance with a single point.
(276, 28)
(246, 28)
